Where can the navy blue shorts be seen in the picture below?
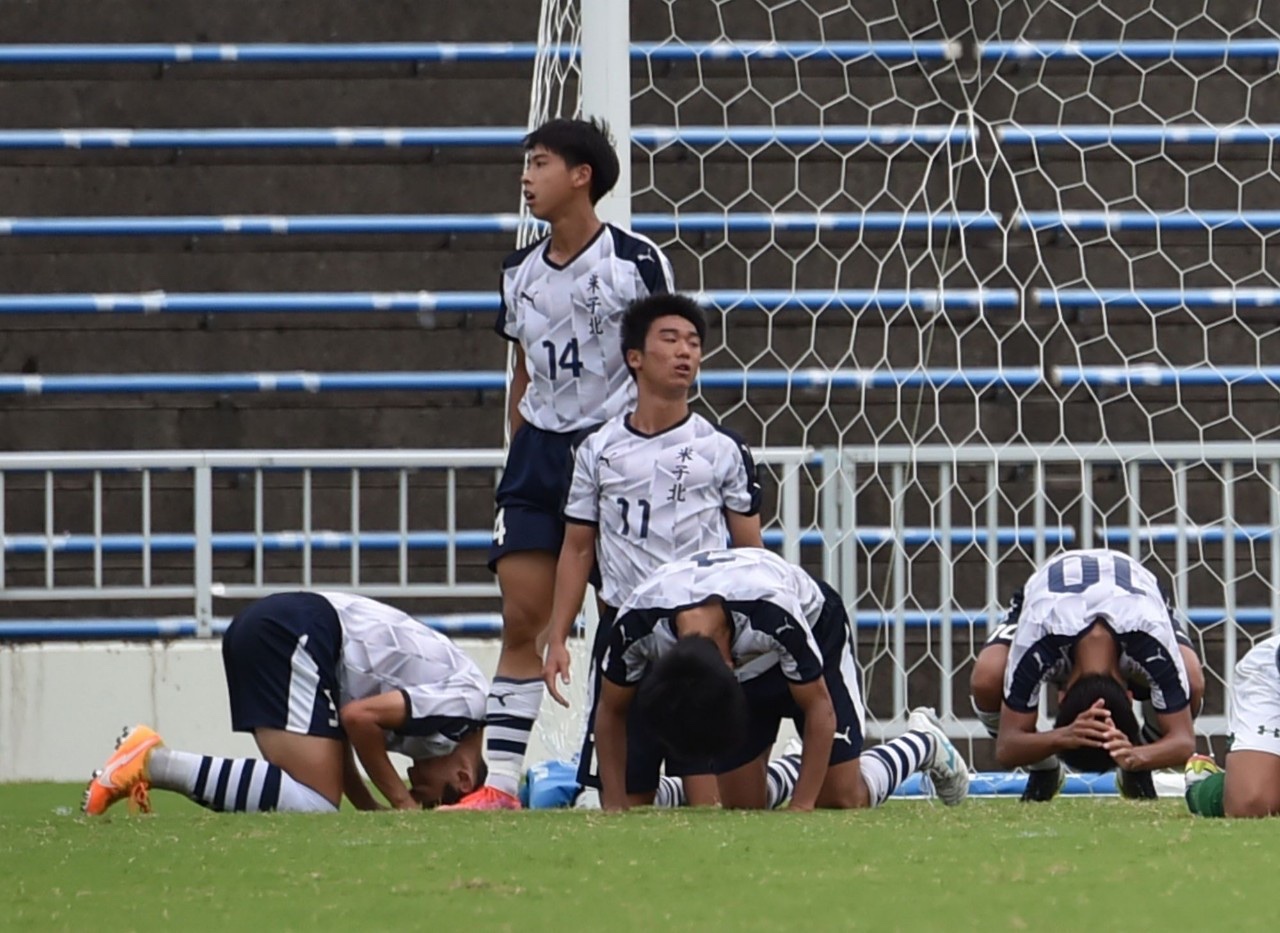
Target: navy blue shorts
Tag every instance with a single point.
(531, 494)
(769, 695)
(645, 755)
(282, 657)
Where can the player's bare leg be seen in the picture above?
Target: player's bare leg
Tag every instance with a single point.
(527, 581)
(1252, 786)
(309, 759)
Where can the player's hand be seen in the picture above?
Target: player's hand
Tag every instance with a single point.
(1092, 728)
(1123, 752)
(800, 807)
(556, 669)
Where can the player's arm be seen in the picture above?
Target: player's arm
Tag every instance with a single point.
(1019, 744)
(1176, 744)
(519, 385)
(365, 722)
(611, 743)
(577, 556)
(744, 530)
(353, 784)
(819, 734)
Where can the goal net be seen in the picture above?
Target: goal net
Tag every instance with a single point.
(998, 274)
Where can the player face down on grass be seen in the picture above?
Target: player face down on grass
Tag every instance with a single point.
(738, 636)
(1094, 624)
(321, 680)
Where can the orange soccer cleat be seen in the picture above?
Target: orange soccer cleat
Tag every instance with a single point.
(486, 798)
(124, 775)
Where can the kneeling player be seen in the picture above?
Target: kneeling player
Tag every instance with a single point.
(1250, 786)
(320, 679)
(717, 650)
(1094, 623)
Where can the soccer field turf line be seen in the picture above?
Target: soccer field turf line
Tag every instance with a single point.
(1108, 864)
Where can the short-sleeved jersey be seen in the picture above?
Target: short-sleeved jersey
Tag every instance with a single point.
(772, 604)
(1064, 598)
(657, 498)
(384, 650)
(568, 320)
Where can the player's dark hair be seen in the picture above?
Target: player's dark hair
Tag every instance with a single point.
(640, 315)
(1082, 695)
(691, 701)
(451, 794)
(581, 142)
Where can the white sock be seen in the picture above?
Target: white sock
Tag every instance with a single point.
(510, 713)
(781, 777)
(886, 766)
(990, 721)
(233, 784)
(670, 793)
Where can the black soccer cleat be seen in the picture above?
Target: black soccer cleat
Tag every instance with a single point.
(1135, 785)
(1043, 785)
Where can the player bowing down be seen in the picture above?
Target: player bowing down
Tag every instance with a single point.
(717, 650)
(321, 679)
(1094, 623)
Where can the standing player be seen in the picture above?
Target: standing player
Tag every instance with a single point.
(1093, 622)
(562, 304)
(649, 486)
(1250, 786)
(320, 679)
(718, 649)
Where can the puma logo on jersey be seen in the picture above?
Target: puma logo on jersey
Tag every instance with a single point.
(844, 736)
(646, 256)
(1158, 656)
(527, 297)
(786, 625)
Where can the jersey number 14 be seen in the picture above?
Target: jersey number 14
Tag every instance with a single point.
(567, 359)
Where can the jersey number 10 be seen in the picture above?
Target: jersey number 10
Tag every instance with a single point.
(1091, 573)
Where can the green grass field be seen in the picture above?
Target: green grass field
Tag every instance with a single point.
(989, 864)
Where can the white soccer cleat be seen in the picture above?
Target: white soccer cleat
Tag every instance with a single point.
(946, 768)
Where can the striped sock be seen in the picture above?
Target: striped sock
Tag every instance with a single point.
(886, 766)
(670, 793)
(782, 776)
(241, 785)
(509, 717)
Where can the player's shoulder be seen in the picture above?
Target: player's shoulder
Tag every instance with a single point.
(627, 244)
(522, 255)
(593, 436)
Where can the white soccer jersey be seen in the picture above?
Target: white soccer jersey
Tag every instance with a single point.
(773, 605)
(385, 650)
(568, 320)
(1067, 596)
(657, 498)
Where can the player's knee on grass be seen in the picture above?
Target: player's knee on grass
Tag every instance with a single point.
(747, 787)
(1082, 695)
(692, 702)
(844, 788)
(312, 760)
(1252, 787)
(986, 683)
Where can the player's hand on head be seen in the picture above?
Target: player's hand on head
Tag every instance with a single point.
(555, 670)
(1093, 727)
(1123, 752)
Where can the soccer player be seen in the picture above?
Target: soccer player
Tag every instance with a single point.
(1094, 623)
(649, 486)
(321, 679)
(716, 650)
(1250, 786)
(562, 304)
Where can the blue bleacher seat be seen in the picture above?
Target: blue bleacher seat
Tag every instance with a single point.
(976, 378)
